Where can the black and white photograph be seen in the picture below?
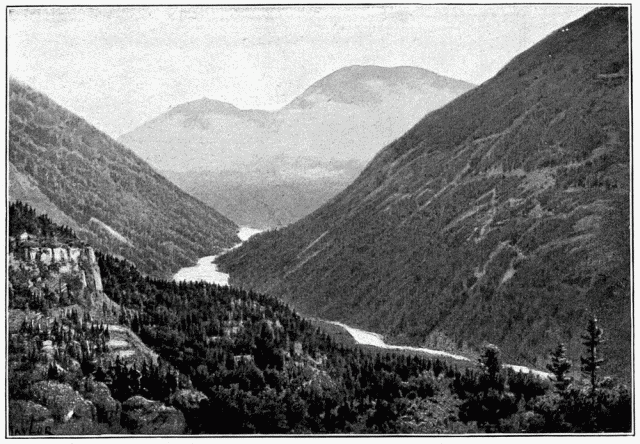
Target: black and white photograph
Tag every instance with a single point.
(319, 220)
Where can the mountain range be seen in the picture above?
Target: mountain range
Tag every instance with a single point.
(64, 167)
(270, 168)
(502, 217)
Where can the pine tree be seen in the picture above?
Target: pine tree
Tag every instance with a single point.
(559, 366)
(592, 362)
(490, 365)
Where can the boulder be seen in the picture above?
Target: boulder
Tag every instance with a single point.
(74, 366)
(186, 399)
(29, 418)
(62, 400)
(107, 409)
(142, 416)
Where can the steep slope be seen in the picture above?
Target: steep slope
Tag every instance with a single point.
(269, 194)
(502, 217)
(61, 165)
(295, 158)
(199, 135)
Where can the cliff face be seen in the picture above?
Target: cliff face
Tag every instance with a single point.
(56, 277)
(68, 261)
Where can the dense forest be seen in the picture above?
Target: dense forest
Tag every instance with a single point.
(236, 362)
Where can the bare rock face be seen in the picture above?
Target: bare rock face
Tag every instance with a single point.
(142, 416)
(29, 418)
(47, 351)
(63, 401)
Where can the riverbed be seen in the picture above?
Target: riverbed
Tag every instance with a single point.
(206, 270)
(369, 338)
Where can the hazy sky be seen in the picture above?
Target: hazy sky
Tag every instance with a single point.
(119, 67)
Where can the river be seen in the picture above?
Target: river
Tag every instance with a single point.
(369, 338)
(207, 271)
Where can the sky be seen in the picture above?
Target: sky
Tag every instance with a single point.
(119, 67)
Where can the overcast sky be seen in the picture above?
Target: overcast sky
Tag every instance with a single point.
(119, 67)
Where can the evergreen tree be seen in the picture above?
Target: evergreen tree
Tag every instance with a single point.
(559, 366)
(490, 366)
(592, 362)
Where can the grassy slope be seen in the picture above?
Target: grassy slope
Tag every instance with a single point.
(502, 217)
(83, 174)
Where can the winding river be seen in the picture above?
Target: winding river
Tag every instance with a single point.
(206, 270)
(369, 338)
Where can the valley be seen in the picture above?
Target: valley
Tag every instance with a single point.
(207, 271)
(502, 217)
(364, 247)
(267, 169)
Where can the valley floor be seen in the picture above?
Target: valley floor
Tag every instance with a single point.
(206, 270)
(363, 337)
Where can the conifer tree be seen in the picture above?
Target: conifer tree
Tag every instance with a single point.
(490, 365)
(592, 362)
(559, 366)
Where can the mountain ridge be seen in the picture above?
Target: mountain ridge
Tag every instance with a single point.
(501, 217)
(331, 135)
(61, 165)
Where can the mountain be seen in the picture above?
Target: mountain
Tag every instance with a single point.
(63, 166)
(501, 218)
(295, 158)
(370, 85)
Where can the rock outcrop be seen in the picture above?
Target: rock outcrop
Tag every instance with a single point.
(108, 410)
(188, 399)
(63, 401)
(68, 260)
(142, 416)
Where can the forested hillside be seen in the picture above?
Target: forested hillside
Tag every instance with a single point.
(208, 359)
(62, 165)
(502, 217)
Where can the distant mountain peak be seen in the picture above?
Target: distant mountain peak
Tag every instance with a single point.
(347, 117)
(204, 106)
(367, 84)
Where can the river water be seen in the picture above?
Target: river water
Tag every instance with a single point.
(369, 338)
(206, 270)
